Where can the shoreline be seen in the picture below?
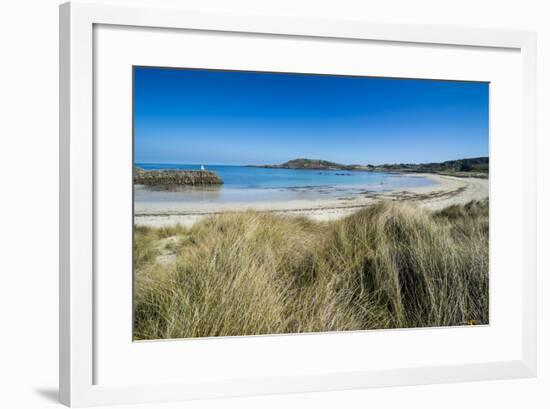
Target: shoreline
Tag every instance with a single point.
(446, 191)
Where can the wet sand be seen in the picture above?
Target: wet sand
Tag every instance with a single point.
(446, 191)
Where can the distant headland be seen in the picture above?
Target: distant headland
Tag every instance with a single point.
(472, 167)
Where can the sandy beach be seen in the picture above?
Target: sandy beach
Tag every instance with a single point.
(445, 191)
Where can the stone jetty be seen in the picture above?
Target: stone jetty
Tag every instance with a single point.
(175, 177)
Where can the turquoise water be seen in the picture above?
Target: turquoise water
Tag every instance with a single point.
(249, 184)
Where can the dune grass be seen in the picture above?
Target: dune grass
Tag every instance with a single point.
(391, 265)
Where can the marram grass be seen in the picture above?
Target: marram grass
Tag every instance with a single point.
(391, 265)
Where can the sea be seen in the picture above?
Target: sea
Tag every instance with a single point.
(245, 184)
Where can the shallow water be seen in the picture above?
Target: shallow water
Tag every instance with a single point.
(249, 184)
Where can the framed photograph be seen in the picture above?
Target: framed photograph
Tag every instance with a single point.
(260, 204)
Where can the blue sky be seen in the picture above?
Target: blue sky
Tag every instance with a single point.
(193, 116)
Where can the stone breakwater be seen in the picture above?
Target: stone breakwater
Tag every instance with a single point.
(176, 177)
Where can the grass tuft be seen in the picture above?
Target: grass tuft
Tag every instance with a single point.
(390, 265)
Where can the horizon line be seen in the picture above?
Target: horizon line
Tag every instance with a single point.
(326, 160)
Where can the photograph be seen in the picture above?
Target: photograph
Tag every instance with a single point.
(272, 203)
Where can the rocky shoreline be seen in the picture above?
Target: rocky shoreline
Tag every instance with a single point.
(167, 177)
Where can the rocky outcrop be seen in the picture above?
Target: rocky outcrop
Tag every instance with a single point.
(175, 177)
(302, 163)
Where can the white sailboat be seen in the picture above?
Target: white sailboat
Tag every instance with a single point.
(202, 167)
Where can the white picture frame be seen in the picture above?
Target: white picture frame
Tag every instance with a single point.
(78, 291)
